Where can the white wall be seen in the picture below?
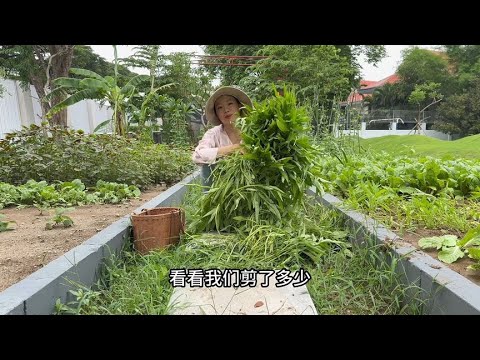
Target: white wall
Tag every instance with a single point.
(37, 110)
(9, 109)
(19, 107)
(367, 134)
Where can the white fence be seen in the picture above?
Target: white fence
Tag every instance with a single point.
(19, 107)
(367, 134)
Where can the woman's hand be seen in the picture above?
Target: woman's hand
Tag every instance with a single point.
(226, 150)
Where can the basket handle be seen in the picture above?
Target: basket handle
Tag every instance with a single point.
(140, 213)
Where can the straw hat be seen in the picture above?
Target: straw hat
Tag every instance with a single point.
(225, 90)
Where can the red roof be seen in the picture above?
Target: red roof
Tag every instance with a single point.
(369, 84)
(392, 79)
(373, 84)
(356, 97)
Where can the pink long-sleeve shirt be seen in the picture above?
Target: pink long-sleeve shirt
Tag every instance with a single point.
(207, 149)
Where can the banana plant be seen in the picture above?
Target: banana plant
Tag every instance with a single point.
(150, 101)
(94, 86)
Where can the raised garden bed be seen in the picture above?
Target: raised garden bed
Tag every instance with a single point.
(449, 292)
(37, 294)
(29, 246)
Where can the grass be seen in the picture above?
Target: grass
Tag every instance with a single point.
(407, 214)
(365, 284)
(343, 281)
(468, 147)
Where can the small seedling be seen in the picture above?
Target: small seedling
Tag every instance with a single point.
(42, 208)
(60, 219)
(4, 225)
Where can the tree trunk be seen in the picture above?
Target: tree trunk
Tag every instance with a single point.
(419, 121)
(60, 67)
(120, 128)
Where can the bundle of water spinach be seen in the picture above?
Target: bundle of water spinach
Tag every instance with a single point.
(266, 183)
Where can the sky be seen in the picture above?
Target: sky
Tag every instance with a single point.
(123, 51)
(389, 63)
(383, 69)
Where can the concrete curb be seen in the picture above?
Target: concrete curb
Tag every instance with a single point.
(449, 292)
(38, 292)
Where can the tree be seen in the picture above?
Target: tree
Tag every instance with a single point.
(464, 58)
(424, 94)
(146, 57)
(317, 70)
(85, 58)
(179, 81)
(460, 113)
(421, 66)
(144, 107)
(231, 75)
(192, 85)
(387, 96)
(28, 64)
(465, 64)
(372, 53)
(39, 65)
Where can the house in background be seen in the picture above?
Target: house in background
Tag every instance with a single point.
(379, 122)
(367, 87)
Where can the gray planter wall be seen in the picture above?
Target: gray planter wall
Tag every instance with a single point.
(37, 293)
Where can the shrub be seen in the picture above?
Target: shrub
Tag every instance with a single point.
(47, 153)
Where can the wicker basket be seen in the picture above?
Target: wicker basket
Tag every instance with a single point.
(157, 228)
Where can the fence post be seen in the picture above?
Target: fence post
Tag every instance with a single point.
(394, 125)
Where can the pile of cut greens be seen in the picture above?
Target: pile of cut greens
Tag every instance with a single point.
(266, 184)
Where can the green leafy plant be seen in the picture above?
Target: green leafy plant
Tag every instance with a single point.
(114, 193)
(471, 243)
(71, 193)
(42, 208)
(453, 249)
(83, 299)
(60, 219)
(474, 253)
(8, 195)
(268, 182)
(4, 225)
(450, 252)
(345, 279)
(46, 153)
(175, 124)
(407, 192)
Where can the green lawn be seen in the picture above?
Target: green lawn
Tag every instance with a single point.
(468, 147)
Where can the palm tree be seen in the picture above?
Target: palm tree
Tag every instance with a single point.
(386, 96)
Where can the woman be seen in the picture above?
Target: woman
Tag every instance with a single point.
(222, 109)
